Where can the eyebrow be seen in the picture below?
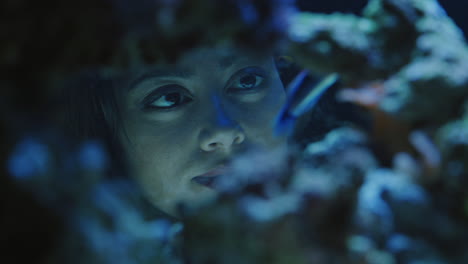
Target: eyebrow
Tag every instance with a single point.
(225, 62)
(160, 73)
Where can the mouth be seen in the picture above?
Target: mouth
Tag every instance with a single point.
(209, 178)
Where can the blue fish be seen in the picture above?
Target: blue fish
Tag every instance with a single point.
(300, 99)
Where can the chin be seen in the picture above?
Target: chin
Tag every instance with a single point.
(190, 201)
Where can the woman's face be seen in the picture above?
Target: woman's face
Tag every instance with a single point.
(184, 121)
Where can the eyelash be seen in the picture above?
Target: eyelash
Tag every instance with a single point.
(185, 97)
(248, 72)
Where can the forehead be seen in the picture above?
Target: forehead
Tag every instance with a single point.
(219, 57)
(196, 61)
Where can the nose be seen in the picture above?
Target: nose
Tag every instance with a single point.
(222, 132)
(222, 139)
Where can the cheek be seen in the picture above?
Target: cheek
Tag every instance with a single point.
(153, 148)
(259, 117)
(157, 157)
(275, 100)
(268, 108)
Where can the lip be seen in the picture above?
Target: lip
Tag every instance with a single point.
(216, 171)
(208, 178)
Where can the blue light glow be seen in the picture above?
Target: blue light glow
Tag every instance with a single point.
(92, 156)
(30, 157)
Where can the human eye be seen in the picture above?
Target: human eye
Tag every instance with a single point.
(247, 80)
(167, 98)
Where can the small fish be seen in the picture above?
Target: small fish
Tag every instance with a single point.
(300, 99)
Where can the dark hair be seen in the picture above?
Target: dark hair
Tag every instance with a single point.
(92, 114)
